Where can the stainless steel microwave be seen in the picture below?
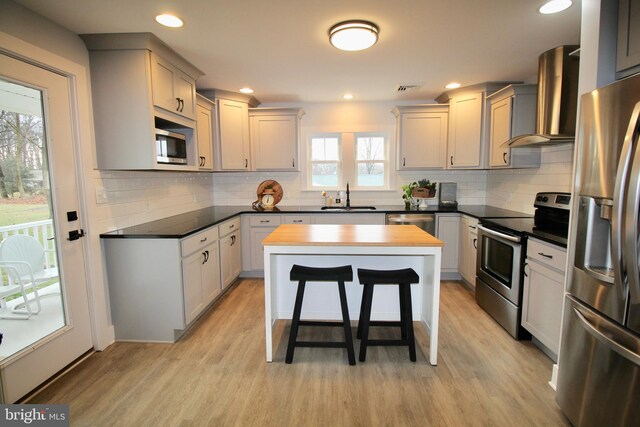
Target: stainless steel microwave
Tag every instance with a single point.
(171, 147)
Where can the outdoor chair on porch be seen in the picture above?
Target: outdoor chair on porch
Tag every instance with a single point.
(22, 258)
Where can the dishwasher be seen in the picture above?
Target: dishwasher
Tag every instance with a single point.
(427, 222)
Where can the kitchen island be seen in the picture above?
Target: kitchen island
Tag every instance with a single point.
(385, 247)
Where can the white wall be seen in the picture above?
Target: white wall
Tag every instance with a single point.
(133, 197)
(516, 189)
(240, 188)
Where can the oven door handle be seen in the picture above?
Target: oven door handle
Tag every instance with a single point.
(500, 235)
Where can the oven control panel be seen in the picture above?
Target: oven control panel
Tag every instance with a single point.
(553, 200)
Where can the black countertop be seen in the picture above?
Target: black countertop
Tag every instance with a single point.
(183, 225)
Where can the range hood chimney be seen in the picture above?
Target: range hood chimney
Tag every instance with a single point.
(557, 99)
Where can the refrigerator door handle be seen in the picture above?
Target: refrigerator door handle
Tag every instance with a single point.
(605, 339)
(631, 215)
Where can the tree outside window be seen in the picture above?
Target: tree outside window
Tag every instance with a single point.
(370, 161)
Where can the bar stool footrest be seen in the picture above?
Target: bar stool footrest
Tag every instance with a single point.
(322, 344)
(320, 323)
(385, 323)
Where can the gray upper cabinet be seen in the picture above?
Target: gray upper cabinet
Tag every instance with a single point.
(512, 113)
(274, 138)
(422, 136)
(628, 52)
(139, 84)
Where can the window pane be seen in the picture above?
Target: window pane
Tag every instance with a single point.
(370, 148)
(324, 174)
(370, 174)
(324, 149)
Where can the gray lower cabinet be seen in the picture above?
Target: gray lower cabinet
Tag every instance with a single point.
(448, 230)
(158, 287)
(543, 293)
(230, 251)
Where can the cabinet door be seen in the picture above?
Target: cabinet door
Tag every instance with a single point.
(205, 138)
(230, 258)
(473, 255)
(465, 131)
(233, 128)
(449, 232)
(423, 140)
(210, 274)
(628, 52)
(275, 141)
(500, 131)
(185, 89)
(162, 76)
(542, 303)
(192, 285)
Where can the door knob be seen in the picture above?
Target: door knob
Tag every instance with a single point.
(76, 234)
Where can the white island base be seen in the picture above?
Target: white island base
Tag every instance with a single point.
(369, 249)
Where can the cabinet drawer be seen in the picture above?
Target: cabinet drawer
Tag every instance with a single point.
(264, 220)
(547, 254)
(297, 219)
(229, 226)
(200, 240)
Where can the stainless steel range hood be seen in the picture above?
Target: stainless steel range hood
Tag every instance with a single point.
(557, 99)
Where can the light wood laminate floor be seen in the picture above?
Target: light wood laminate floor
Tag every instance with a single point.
(217, 375)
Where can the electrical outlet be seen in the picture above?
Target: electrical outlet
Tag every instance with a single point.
(101, 196)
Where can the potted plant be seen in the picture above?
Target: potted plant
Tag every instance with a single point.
(408, 191)
(424, 189)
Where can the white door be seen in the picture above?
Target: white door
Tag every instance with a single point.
(47, 177)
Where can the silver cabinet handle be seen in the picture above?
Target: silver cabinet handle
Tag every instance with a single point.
(605, 338)
(545, 255)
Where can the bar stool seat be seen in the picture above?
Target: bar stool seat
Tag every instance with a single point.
(403, 279)
(302, 275)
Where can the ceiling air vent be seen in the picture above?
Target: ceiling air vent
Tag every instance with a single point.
(408, 87)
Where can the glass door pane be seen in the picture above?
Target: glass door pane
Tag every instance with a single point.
(498, 260)
(28, 258)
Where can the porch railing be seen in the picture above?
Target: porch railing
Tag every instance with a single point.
(42, 231)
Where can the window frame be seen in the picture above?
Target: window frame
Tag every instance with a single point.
(310, 162)
(384, 161)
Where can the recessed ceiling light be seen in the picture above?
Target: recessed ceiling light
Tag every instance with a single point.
(246, 90)
(453, 85)
(554, 6)
(347, 96)
(353, 35)
(169, 20)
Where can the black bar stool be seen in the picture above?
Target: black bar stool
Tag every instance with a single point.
(313, 274)
(403, 279)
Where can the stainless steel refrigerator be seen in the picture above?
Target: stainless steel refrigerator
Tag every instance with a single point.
(599, 366)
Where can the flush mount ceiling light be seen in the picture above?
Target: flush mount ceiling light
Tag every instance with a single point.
(169, 20)
(347, 96)
(353, 35)
(554, 6)
(453, 85)
(246, 90)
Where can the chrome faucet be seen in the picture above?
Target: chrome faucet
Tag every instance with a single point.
(348, 205)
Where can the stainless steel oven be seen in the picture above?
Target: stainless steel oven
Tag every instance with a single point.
(499, 277)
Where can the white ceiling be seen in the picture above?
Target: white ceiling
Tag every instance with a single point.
(280, 47)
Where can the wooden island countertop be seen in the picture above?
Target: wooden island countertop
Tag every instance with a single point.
(350, 235)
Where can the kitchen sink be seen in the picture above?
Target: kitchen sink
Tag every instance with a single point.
(351, 208)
